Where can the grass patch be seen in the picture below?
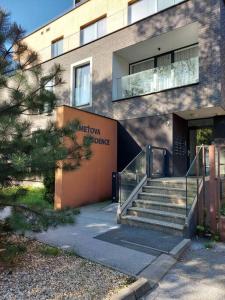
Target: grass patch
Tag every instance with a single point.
(41, 215)
(30, 196)
(49, 251)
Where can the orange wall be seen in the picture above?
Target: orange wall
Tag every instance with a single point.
(92, 182)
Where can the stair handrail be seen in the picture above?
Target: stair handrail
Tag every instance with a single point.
(139, 168)
(198, 184)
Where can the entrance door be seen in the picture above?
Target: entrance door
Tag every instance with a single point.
(198, 137)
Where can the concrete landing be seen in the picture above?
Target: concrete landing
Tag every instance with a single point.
(96, 220)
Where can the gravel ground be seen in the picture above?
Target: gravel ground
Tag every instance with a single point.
(42, 277)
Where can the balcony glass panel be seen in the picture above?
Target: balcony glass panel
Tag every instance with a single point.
(174, 75)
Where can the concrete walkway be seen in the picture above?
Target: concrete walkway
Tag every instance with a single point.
(199, 275)
(92, 221)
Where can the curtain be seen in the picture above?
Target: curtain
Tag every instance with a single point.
(186, 66)
(164, 75)
(142, 66)
(82, 85)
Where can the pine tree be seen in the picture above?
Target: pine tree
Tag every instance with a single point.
(26, 152)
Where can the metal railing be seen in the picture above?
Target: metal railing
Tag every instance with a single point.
(195, 177)
(177, 74)
(131, 177)
(149, 163)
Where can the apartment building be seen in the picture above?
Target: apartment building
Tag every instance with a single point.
(155, 66)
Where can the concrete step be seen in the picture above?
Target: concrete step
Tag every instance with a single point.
(157, 205)
(157, 215)
(167, 190)
(166, 227)
(181, 184)
(176, 199)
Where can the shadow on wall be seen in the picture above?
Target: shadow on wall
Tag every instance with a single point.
(127, 147)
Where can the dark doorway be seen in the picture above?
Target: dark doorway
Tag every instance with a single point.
(200, 132)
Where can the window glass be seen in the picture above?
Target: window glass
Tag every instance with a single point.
(164, 60)
(50, 85)
(57, 47)
(185, 54)
(163, 4)
(101, 27)
(82, 85)
(142, 66)
(141, 9)
(93, 31)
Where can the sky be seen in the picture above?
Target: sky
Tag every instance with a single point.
(31, 14)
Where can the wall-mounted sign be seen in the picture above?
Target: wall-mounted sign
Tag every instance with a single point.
(95, 131)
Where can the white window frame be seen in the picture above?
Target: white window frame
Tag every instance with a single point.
(72, 81)
(96, 31)
(157, 10)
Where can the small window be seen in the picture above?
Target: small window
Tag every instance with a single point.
(93, 31)
(82, 85)
(57, 47)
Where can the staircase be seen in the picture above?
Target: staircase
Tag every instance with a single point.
(161, 205)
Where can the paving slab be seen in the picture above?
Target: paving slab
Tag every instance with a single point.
(198, 275)
(92, 221)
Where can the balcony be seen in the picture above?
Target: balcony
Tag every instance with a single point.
(175, 75)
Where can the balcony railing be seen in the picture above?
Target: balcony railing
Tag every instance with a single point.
(158, 79)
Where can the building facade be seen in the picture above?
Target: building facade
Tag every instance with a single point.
(155, 66)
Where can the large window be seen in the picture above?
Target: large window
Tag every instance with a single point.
(140, 9)
(57, 47)
(93, 31)
(165, 60)
(169, 70)
(82, 85)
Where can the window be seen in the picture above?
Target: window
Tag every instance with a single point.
(142, 66)
(165, 60)
(163, 4)
(93, 31)
(50, 85)
(57, 47)
(141, 9)
(82, 85)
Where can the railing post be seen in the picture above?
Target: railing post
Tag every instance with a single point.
(115, 187)
(186, 196)
(213, 189)
(149, 161)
